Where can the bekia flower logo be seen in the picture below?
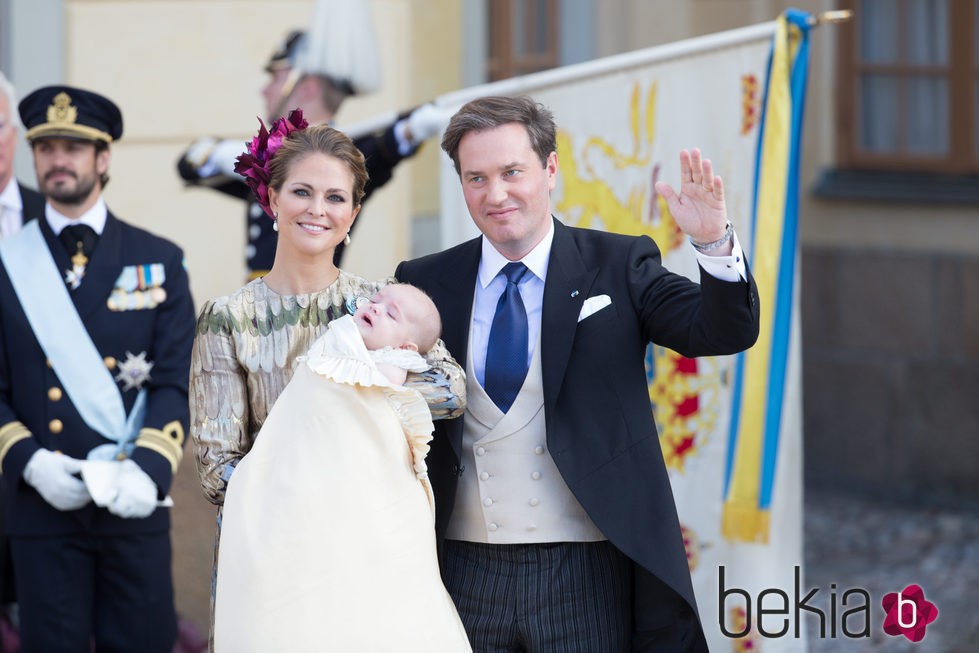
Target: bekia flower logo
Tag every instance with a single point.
(908, 613)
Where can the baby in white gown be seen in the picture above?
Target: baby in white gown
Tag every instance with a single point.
(328, 540)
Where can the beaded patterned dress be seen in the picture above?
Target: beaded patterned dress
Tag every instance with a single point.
(245, 353)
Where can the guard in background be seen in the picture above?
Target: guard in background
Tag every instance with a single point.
(315, 74)
(96, 329)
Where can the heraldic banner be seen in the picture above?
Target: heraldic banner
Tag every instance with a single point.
(730, 427)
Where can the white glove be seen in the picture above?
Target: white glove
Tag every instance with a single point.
(211, 157)
(427, 121)
(135, 492)
(52, 475)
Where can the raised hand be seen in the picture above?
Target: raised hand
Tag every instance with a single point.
(699, 209)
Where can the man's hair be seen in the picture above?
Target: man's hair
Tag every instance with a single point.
(324, 140)
(104, 177)
(495, 111)
(8, 90)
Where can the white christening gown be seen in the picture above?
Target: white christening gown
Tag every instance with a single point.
(328, 539)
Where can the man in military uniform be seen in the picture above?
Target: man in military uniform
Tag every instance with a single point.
(318, 85)
(96, 329)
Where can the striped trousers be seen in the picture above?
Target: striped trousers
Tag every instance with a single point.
(567, 597)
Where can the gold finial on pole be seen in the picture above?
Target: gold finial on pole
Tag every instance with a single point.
(834, 16)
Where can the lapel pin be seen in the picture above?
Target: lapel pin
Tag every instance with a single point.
(574, 293)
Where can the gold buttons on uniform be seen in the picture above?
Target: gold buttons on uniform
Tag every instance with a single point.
(48, 363)
(55, 425)
(110, 362)
(54, 393)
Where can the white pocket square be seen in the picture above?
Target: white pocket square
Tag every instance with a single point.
(593, 305)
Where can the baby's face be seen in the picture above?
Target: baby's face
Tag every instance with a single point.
(387, 319)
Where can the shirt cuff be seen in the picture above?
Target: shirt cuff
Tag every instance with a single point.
(725, 268)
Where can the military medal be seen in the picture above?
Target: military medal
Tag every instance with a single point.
(74, 276)
(134, 371)
(138, 287)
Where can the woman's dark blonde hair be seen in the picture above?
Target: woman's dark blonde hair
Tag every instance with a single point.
(321, 139)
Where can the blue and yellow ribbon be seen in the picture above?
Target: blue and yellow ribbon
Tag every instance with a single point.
(759, 377)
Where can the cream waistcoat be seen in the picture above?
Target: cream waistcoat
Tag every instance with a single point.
(510, 490)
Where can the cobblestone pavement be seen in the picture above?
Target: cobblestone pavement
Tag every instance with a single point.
(884, 548)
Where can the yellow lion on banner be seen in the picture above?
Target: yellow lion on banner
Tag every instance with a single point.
(675, 382)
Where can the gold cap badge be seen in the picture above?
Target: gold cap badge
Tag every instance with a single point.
(61, 112)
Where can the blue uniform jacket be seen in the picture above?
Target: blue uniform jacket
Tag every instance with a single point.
(35, 411)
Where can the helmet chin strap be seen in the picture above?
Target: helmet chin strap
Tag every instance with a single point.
(290, 84)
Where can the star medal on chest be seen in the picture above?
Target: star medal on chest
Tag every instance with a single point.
(134, 371)
(74, 276)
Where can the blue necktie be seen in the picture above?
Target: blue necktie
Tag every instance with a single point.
(506, 350)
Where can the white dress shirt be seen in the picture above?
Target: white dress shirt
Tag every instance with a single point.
(95, 218)
(11, 209)
(490, 285)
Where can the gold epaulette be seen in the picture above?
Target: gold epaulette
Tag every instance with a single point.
(256, 274)
(10, 434)
(168, 442)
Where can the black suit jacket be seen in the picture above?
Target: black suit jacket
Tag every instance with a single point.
(31, 393)
(32, 208)
(600, 428)
(33, 203)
